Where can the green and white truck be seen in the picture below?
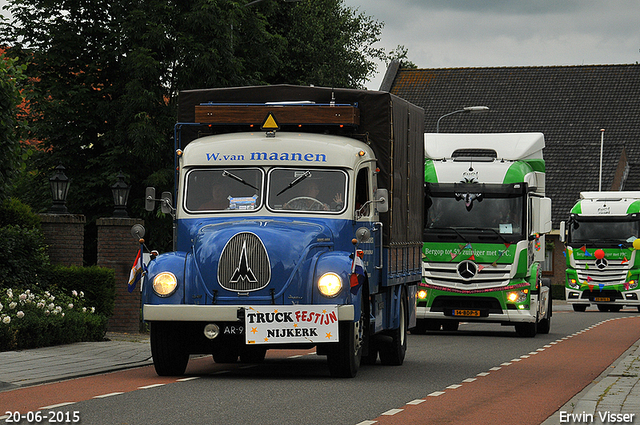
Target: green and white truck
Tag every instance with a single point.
(601, 249)
(486, 216)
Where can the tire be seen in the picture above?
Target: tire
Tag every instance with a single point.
(450, 325)
(170, 356)
(604, 308)
(579, 307)
(344, 357)
(527, 330)
(544, 325)
(392, 353)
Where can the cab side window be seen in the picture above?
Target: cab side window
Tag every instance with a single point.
(362, 206)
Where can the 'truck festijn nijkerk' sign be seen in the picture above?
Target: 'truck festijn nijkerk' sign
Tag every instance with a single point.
(291, 324)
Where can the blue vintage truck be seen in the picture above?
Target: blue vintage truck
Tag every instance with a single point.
(297, 224)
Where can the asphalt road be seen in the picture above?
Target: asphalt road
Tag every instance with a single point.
(293, 387)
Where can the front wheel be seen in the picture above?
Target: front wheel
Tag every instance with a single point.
(544, 326)
(580, 308)
(392, 353)
(345, 355)
(170, 357)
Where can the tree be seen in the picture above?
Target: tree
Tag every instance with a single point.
(400, 54)
(106, 74)
(11, 79)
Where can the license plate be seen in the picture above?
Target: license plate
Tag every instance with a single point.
(233, 330)
(602, 299)
(467, 313)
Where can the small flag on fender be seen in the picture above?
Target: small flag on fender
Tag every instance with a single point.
(357, 273)
(137, 271)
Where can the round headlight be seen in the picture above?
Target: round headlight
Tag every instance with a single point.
(165, 284)
(329, 284)
(422, 294)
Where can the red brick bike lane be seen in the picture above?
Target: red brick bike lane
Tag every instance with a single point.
(526, 390)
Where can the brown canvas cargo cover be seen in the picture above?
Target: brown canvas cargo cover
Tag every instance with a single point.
(393, 127)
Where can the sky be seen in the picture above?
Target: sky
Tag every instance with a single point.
(496, 33)
(493, 33)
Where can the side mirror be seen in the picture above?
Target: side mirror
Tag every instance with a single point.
(562, 231)
(382, 200)
(167, 203)
(150, 199)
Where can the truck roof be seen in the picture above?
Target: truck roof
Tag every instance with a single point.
(611, 203)
(610, 195)
(508, 146)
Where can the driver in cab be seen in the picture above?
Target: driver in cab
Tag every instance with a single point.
(308, 199)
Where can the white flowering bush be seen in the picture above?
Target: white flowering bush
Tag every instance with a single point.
(36, 318)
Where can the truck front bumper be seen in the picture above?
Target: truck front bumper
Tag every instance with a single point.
(213, 313)
(511, 316)
(576, 296)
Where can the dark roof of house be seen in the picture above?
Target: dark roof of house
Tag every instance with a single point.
(569, 104)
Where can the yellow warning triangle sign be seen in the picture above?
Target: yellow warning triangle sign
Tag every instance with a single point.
(270, 123)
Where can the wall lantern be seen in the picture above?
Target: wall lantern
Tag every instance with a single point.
(59, 190)
(120, 196)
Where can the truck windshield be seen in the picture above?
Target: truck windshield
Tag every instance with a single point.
(490, 213)
(304, 190)
(231, 189)
(612, 231)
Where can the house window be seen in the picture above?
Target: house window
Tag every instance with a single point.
(547, 264)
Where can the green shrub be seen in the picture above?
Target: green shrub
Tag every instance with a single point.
(23, 257)
(38, 319)
(97, 283)
(14, 212)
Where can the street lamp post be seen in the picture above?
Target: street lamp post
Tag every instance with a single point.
(601, 149)
(59, 183)
(120, 196)
(467, 109)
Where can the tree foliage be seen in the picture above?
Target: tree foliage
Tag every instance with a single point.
(11, 79)
(106, 74)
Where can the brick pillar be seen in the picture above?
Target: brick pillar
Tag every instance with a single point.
(116, 250)
(64, 234)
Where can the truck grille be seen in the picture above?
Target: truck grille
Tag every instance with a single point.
(483, 276)
(244, 264)
(613, 272)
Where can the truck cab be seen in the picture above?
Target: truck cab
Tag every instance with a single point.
(486, 216)
(601, 251)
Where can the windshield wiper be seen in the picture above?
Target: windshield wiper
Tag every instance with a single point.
(295, 182)
(225, 173)
(452, 229)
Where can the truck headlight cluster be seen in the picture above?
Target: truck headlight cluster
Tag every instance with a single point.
(633, 284)
(165, 284)
(329, 284)
(422, 294)
(574, 283)
(518, 296)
